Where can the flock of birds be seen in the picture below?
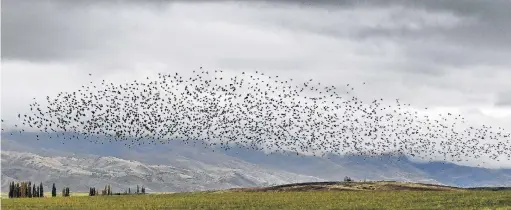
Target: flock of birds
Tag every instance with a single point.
(260, 112)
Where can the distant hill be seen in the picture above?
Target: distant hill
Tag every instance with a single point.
(351, 186)
(182, 174)
(360, 186)
(183, 167)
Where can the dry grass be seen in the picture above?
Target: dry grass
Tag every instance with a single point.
(278, 200)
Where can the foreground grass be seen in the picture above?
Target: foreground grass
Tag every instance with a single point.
(277, 200)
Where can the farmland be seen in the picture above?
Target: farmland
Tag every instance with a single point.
(380, 196)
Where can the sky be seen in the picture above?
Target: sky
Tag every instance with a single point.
(445, 55)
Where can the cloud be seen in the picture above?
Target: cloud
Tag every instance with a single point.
(504, 99)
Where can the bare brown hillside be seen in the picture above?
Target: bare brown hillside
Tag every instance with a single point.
(351, 186)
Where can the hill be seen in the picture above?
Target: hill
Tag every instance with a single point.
(83, 171)
(351, 186)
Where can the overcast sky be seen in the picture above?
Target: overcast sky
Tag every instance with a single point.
(449, 55)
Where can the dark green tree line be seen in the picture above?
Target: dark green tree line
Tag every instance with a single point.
(26, 190)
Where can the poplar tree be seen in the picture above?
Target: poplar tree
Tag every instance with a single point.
(35, 194)
(54, 191)
(29, 189)
(11, 189)
(22, 189)
(41, 190)
(18, 192)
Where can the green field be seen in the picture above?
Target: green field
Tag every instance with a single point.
(278, 200)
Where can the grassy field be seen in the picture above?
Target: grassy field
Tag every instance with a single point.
(278, 200)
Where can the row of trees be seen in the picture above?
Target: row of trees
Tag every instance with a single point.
(108, 191)
(25, 190)
(29, 190)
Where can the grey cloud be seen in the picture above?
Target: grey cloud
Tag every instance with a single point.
(504, 99)
(492, 26)
(47, 30)
(43, 31)
(63, 30)
(484, 37)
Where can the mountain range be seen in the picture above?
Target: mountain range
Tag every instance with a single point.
(180, 166)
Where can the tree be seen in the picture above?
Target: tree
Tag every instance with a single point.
(143, 190)
(92, 191)
(10, 189)
(35, 194)
(29, 189)
(53, 191)
(347, 179)
(129, 190)
(14, 189)
(26, 189)
(41, 190)
(138, 190)
(65, 192)
(18, 192)
(23, 189)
